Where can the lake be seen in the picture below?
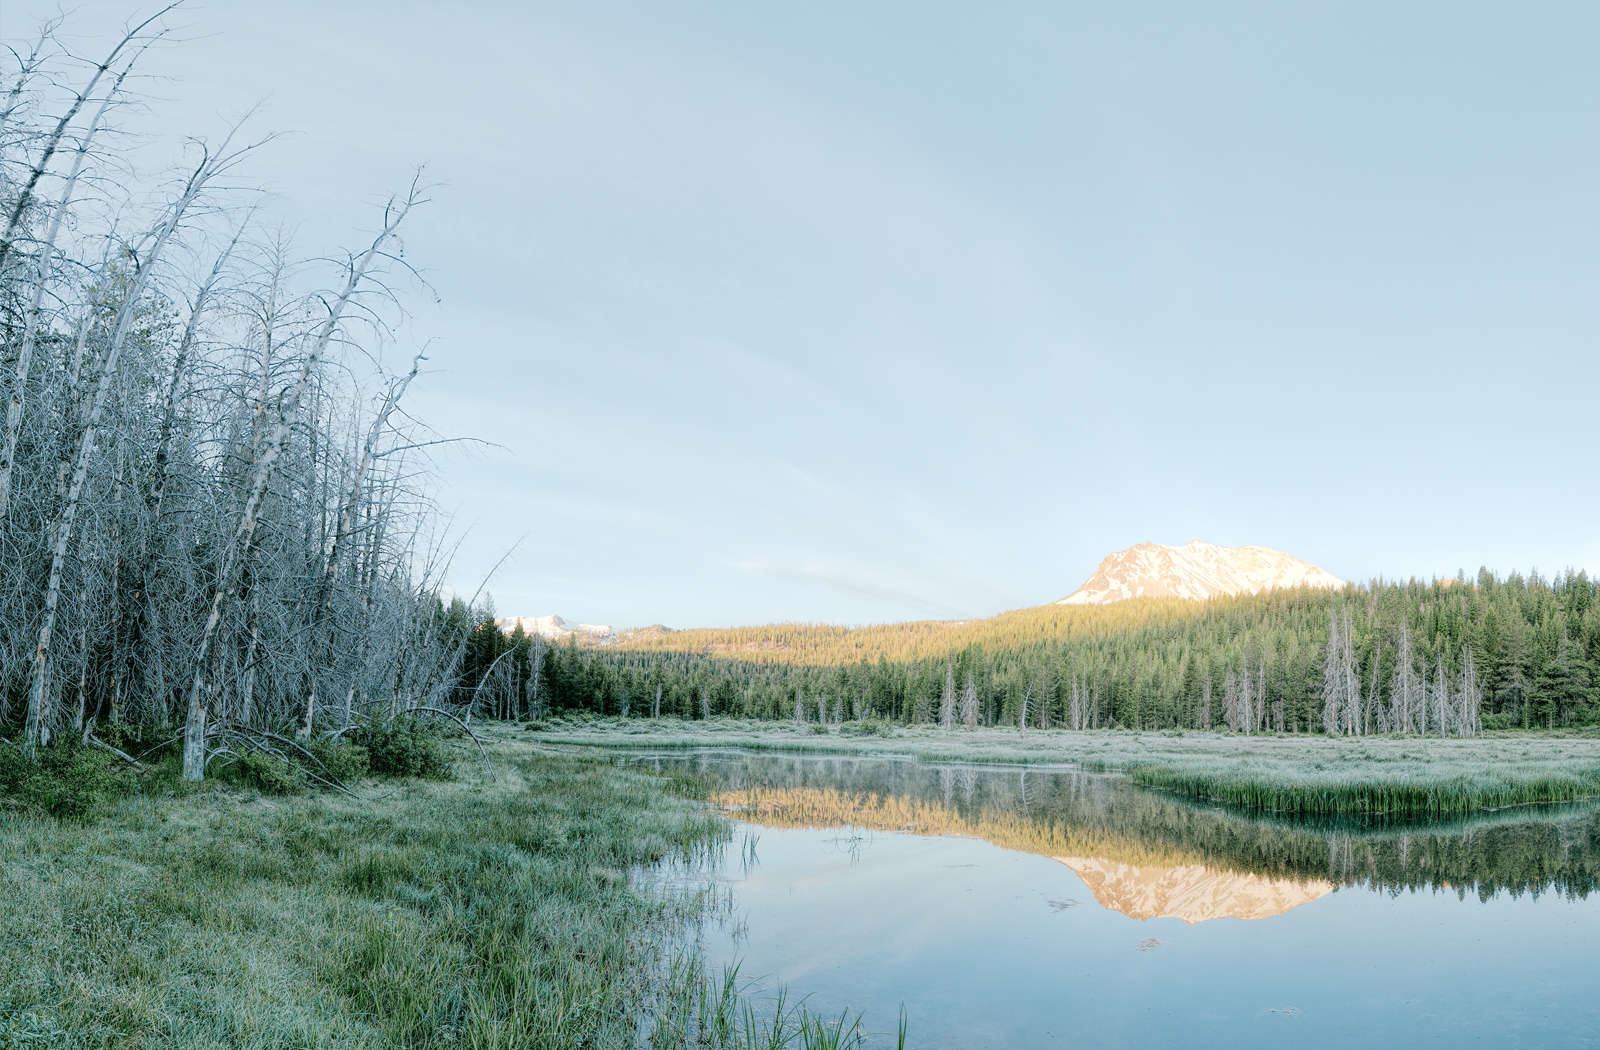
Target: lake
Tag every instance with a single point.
(1045, 907)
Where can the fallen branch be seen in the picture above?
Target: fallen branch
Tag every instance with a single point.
(244, 737)
(468, 730)
(161, 745)
(102, 745)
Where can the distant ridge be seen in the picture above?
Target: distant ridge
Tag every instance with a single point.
(1196, 571)
(554, 627)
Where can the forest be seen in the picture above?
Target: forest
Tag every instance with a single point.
(1444, 657)
(215, 517)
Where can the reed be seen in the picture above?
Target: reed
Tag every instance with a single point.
(1360, 792)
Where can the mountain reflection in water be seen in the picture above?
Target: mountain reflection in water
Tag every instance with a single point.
(1146, 853)
(1191, 893)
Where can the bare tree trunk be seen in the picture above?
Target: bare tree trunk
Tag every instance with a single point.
(30, 325)
(39, 718)
(352, 506)
(25, 195)
(194, 756)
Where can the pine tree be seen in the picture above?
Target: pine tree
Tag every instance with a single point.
(947, 699)
(1045, 695)
(1470, 697)
(1333, 700)
(1404, 686)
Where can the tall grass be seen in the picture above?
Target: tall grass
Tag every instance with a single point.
(462, 914)
(1353, 791)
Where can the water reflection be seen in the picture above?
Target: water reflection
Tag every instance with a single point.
(1043, 907)
(1148, 854)
(1192, 893)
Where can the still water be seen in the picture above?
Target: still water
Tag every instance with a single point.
(1038, 907)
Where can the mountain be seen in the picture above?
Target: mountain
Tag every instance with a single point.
(1196, 571)
(555, 628)
(1192, 893)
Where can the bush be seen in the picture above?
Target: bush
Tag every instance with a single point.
(66, 779)
(403, 747)
(268, 774)
(342, 760)
(868, 726)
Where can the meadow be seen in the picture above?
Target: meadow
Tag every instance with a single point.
(521, 908)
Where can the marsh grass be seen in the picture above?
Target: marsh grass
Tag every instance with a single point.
(1355, 789)
(1363, 777)
(465, 913)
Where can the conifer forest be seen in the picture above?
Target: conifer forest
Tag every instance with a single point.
(1448, 657)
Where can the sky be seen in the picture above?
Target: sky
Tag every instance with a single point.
(860, 313)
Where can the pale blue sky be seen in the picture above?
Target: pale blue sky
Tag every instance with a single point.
(864, 312)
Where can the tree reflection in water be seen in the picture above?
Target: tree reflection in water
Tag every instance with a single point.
(1148, 853)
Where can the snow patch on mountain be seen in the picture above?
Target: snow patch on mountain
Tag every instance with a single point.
(1196, 570)
(554, 627)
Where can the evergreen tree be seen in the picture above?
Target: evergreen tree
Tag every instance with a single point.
(947, 699)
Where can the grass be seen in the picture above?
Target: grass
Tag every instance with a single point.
(468, 913)
(1362, 777)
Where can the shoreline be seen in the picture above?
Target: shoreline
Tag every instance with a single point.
(476, 911)
(1377, 777)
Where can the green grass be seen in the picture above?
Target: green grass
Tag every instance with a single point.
(1365, 777)
(469, 913)
(1356, 789)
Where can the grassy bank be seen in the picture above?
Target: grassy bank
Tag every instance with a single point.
(1379, 777)
(478, 912)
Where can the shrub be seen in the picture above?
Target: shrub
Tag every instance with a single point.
(403, 747)
(268, 774)
(868, 726)
(343, 760)
(66, 779)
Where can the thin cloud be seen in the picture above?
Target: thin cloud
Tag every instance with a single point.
(849, 585)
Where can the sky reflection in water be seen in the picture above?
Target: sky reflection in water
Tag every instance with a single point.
(1189, 926)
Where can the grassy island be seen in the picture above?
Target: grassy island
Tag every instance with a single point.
(1374, 776)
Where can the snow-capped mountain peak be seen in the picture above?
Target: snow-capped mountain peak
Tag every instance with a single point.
(1197, 570)
(553, 627)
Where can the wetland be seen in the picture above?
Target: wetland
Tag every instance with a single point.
(1043, 905)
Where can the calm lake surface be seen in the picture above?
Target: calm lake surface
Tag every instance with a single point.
(1039, 907)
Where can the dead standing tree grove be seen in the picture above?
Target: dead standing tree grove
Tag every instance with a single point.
(212, 512)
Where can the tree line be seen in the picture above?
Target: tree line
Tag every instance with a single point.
(1447, 657)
